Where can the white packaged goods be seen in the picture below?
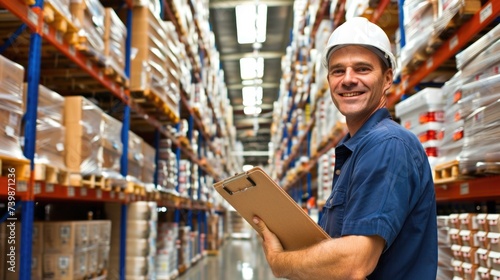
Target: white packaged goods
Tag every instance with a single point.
(465, 56)
(483, 61)
(481, 133)
(423, 107)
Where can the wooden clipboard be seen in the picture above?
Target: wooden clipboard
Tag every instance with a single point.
(255, 193)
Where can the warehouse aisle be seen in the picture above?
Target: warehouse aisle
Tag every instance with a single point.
(236, 260)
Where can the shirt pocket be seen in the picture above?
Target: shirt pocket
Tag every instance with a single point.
(333, 214)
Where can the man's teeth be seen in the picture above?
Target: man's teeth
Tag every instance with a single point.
(350, 94)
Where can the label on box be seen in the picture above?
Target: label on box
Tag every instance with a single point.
(63, 262)
(9, 131)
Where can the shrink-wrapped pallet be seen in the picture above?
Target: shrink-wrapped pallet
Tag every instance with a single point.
(115, 36)
(83, 120)
(111, 146)
(135, 155)
(50, 134)
(89, 16)
(11, 107)
(148, 169)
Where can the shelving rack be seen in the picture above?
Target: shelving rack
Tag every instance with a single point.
(30, 191)
(476, 188)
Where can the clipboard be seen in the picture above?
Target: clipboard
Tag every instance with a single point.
(255, 193)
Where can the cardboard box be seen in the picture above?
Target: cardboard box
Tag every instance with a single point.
(149, 163)
(135, 155)
(115, 36)
(65, 237)
(82, 120)
(65, 266)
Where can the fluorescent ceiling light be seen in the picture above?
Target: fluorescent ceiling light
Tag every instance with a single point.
(247, 26)
(252, 110)
(251, 93)
(251, 82)
(251, 68)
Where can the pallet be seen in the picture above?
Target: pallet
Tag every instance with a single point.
(212, 252)
(55, 18)
(135, 188)
(148, 98)
(94, 181)
(116, 75)
(17, 166)
(447, 172)
(51, 174)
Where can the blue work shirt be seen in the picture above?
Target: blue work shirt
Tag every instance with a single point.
(383, 186)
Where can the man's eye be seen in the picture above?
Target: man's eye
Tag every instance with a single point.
(337, 71)
(363, 69)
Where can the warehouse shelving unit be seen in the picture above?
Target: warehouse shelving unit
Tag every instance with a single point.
(465, 189)
(30, 191)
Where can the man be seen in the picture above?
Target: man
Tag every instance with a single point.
(382, 212)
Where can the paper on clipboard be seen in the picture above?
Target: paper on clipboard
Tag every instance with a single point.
(254, 193)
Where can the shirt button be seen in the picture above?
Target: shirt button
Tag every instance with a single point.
(337, 171)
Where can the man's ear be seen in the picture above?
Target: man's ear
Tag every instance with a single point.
(388, 78)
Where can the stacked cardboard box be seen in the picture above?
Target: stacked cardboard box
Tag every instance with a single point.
(89, 16)
(474, 248)
(10, 245)
(115, 36)
(111, 145)
(148, 69)
(11, 107)
(135, 155)
(83, 121)
(185, 247)
(167, 255)
(50, 132)
(141, 240)
(75, 249)
(149, 164)
(167, 165)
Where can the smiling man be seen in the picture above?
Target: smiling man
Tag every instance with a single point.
(382, 211)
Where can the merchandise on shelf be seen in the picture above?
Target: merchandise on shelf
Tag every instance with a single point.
(111, 146)
(167, 165)
(50, 132)
(62, 7)
(75, 249)
(115, 36)
(141, 237)
(326, 167)
(424, 23)
(480, 151)
(215, 234)
(423, 114)
(149, 163)
(10, 243)
(471, 52)
(184, 251)
(167, 254)
(468, 246)
(11, 107)
(89, 16)
(185, 179)
(149, 65)
(136, 158)
(83, 121)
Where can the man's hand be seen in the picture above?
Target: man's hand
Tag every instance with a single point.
(272, 246)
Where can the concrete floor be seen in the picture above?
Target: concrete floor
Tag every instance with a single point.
(238, 259)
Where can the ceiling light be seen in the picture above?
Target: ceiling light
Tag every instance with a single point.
(251, 82)
(251, 93)
(252, 110)
(251, 68)
(251, 27)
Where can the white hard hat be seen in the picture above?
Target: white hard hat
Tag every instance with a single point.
(360, 31)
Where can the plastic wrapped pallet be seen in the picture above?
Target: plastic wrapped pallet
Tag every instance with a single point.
(82, 120)
(89, 15)
(487, 58)
(135, 155)
(115, 36)
(111, 145)
(476, 94)
(467, 55)
(167, 260)
(481, 133)
(11, 107)
(50, 132)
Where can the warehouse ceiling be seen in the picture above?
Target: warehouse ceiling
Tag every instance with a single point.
(255, 138)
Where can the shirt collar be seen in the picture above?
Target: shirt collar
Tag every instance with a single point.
(351, 142)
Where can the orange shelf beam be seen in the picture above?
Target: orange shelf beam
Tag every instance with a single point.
(379, 11)
(480, 188)
(449, 48)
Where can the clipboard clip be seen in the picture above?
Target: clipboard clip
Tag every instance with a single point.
(237, 185)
